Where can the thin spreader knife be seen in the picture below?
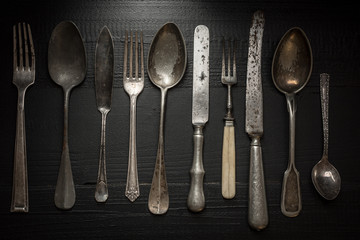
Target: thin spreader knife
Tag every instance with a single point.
(200, 115)
(257, 212)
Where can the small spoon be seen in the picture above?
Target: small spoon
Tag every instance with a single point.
(67, 67)
(291, 70)
(166, 66)
(325, 177)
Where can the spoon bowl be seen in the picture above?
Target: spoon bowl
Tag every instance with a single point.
(67, 68)
(291, 70)
(166, 67)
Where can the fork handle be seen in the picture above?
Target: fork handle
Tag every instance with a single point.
(228, 185)
(196, 198)
(20, 200)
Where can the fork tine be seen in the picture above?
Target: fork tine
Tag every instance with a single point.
(223, 59)
(32, 51)
(26, 47)
(234, 59)
(21, 64)
(229, 64)
(125, 54)
(136, 56)
(142, 55)
(15, 49)
(131, 55)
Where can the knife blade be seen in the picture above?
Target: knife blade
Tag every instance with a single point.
(104, 75)
(257, 211)
(200, 115)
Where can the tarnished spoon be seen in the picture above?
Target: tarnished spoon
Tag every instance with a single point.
(67, 67)
(324, 175)
(166, 66)
(291, 70)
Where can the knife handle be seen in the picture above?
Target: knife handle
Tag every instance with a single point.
(257, 212)
(228, 185)
(196, 198)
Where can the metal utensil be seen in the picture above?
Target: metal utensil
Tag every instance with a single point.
(324, 175)
(257, 212)
(200, 115)
(166, 67)
(23, 77)
(291, 70)
(228, 184)
(67, 68)
(104, 76)
(133, 86)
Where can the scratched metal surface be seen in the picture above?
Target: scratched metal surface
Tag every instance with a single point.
(334, 34)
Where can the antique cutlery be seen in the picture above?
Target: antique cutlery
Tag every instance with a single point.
(228, 183)
(67, 67)
(166, 67)
(324, 175)
(291, 70)
(133, 85)
(200, 115)
(23, 77)
(104, 77)
(257, 212)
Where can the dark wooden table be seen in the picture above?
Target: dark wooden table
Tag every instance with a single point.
(334, 33)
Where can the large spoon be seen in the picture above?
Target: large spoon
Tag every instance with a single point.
(67, 67)
(324, 175)
(166, 66)
(291, 70)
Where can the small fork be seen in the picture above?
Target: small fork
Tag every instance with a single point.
(23, 77)
(228, 186)
(133, 86)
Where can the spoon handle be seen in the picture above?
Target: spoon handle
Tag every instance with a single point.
(158, 202)
(324, 93)
(101, 191)
(20, 199)
(132, 191)
(291, 194)
(65, 191)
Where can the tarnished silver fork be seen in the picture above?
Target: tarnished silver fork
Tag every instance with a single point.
(23, 77)
(228, 187)
(133, 85)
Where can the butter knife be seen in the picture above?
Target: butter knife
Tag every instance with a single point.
(104, 75)
(200, 115)
(257, 211)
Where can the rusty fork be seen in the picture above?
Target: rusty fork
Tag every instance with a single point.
(133, 86)
(23, 77)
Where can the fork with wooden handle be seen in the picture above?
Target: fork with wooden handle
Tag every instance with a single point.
(133, 85)
(228, 186)
(23, 77)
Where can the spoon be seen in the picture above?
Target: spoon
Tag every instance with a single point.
(291, 70)
(166, 66)
(67, 67)
(325, 177)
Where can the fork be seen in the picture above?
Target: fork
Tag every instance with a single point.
(228, 187)
(133, 85)
(23, 77)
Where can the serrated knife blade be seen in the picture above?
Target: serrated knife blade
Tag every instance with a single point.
(257, 211)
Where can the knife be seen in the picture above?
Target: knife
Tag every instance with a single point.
(200, 115)
(104, 75)
(257, 212)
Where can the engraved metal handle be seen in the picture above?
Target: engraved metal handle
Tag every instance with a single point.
(158, 202)
(257, 212)
(132, 191)
(65, 191)
(196, 198)
(101, 191)
(20, 199)
(291, 194)
(324, 86)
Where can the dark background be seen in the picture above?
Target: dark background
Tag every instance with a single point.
(334, 34)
